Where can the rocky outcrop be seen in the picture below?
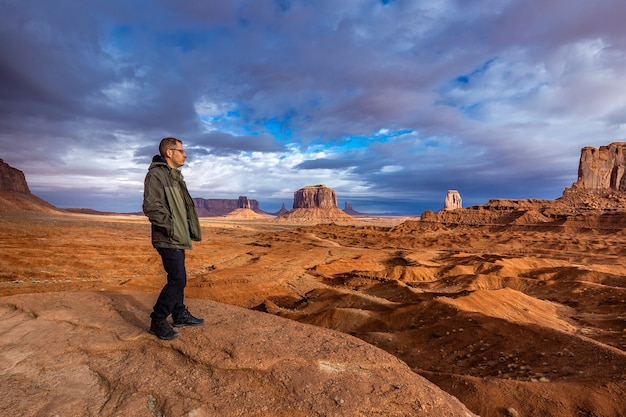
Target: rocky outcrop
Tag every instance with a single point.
(495, 212)
(12, 180)
(574, 210)
(15, 194)
(596, 200)
(602, 168)
(600, 188)
(453, 200)
(215, 207)
(243, 363)
(315, 204)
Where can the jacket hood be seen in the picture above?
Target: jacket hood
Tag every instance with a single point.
(158, 160)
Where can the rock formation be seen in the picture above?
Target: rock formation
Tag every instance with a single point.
(282, 211)
(313, 204)
(12, 180)
(15, 194)
(243, 202)
(453, 200)
(597, 199)
(215, 207)
(351, 211)
(243, 210)
(315, 196)
(602, 168)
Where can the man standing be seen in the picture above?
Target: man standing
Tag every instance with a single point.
(175, 224)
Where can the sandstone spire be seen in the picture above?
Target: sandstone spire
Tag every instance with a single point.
(603, 168)
(453, 200)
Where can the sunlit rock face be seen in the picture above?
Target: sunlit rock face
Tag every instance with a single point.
(453, 200)
(602, 168)
(315, 196)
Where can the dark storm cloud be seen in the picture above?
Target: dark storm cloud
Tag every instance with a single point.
(224, 143)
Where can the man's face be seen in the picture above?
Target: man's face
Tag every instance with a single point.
(176, 157)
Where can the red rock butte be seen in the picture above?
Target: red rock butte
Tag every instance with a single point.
(315, 203)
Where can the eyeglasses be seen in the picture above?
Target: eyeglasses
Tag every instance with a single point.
(179, 150)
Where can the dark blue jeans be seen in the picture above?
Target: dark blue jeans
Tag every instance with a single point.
(170, 300)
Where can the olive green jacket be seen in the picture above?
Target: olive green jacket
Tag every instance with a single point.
(168, 205)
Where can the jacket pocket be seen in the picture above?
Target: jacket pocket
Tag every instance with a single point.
(180, 235)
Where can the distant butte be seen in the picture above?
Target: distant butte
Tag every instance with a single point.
(12, 180)
(15, 194)
(351, 211)
(214, 207)
(314, 204)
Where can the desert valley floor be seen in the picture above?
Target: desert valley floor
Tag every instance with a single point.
(511, 321)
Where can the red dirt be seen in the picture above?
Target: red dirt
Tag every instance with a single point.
(512, 322)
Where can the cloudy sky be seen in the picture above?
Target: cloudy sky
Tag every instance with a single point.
(389, 102)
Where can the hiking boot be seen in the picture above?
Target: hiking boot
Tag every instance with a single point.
(163, 330)
(186, 319)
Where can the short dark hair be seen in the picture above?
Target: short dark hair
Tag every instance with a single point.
(168, 143)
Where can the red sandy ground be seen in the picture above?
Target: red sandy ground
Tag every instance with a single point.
(511, 322)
